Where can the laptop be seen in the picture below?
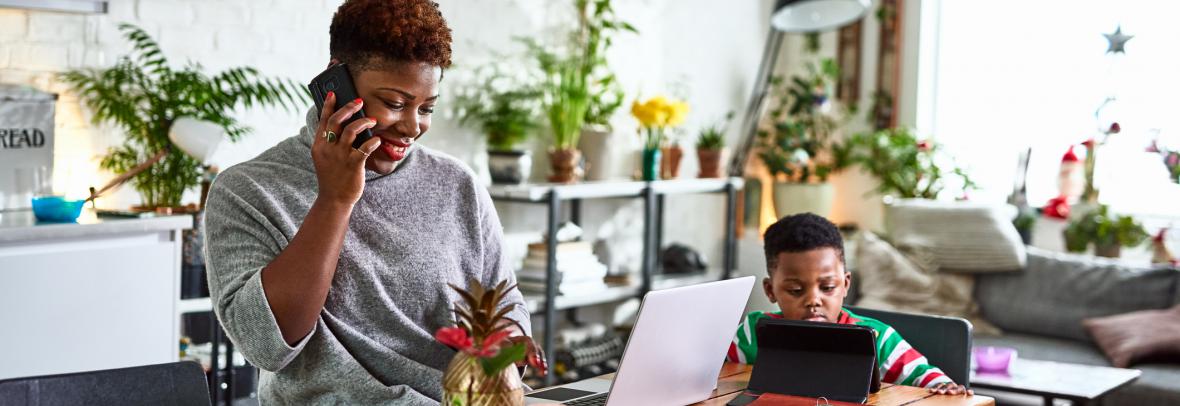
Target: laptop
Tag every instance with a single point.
(813, 359)
(675, 351)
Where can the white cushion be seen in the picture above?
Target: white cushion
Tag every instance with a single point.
(962, 236)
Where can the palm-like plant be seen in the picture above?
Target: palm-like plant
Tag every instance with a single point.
(142, 95)
(484, 326)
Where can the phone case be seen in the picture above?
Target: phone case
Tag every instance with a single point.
(337, 79)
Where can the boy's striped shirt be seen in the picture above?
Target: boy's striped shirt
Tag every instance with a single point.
(900, 363)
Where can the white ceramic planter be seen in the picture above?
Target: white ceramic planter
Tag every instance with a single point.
(793, 198)
(510, 167)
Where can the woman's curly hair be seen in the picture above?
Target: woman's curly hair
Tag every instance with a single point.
(369, 32)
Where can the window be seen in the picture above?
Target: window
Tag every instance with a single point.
(1005, 75)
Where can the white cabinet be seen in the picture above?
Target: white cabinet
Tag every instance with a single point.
(95, 295)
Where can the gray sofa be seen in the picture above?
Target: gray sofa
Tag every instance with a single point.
(1042, 307)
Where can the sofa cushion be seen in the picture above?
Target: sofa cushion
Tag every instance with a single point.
(1131, 338)
(962, 236)
(1057, 291)
(1159, 384)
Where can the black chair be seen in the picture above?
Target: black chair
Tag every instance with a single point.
(945, 341)
(177, 384)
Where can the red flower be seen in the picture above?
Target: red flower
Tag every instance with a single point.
(454, 337)
(1114, 128)
(490, 345)
(923, 145)
(1058, 207)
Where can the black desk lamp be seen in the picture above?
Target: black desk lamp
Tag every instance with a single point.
(790, 16)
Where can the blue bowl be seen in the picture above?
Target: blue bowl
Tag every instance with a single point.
(57, 209)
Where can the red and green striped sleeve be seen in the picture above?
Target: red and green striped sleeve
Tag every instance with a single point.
(900, 363)
(744, 348)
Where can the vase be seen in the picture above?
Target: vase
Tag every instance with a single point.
(651, 164)
(510, 167)
(670, 162)
(709, 161)
(597, 146)
(794, 198)
(564, 165)
(466, 384)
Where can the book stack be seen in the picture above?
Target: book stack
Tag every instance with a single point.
(578, 270)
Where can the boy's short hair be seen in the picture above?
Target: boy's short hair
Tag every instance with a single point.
(799, 233)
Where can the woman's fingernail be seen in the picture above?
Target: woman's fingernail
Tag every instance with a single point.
(331, 94)
(358, 100)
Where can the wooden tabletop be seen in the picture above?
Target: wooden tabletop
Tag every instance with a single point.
(1056, 379)
(734, 378)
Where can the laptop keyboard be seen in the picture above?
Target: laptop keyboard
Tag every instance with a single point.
(596, 400)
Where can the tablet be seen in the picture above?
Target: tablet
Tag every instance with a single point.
(814, 359)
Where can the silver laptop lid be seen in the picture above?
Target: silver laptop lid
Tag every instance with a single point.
(678, 345)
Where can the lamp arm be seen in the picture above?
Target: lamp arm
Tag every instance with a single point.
(774, 42)
(118, 180)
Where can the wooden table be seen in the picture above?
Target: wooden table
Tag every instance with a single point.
(1057, 380)
(734, 377)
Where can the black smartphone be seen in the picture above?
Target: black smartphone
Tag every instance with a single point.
(337, 79)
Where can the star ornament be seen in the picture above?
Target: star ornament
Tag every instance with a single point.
(1117, 40)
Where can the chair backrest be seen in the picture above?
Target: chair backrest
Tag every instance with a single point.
(945, 341)
(176, 384)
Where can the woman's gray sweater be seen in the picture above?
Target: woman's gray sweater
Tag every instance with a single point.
(427, 224)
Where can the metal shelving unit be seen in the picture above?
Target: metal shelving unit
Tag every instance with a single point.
(652, 193)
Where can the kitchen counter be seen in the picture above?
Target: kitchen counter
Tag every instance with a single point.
(21, 225)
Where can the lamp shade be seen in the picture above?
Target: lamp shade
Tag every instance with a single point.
(816, 15)
(197, 138)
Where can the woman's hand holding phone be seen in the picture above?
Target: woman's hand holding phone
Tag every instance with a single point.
(340, 168)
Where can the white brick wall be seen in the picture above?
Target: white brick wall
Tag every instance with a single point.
(289, 38)
(13, 25)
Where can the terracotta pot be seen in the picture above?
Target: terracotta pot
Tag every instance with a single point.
(465, 384)
(710, 163)
(1107, 250)
(564, 165)
(510, 167)
(670, 162)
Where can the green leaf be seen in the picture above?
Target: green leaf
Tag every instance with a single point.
(503, 359)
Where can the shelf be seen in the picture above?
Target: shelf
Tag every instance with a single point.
(197, 305)
(682, 186)
(538, 192)
(613, 293)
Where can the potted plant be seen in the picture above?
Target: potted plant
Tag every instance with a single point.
(656, 116)
(478, 374)
(905, 167)
(797, 147)
(506, 109)
(575, 77)
(598, 24)
(1107, 232)
(710, 147)
(142, 95)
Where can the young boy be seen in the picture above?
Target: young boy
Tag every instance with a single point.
(805, 263)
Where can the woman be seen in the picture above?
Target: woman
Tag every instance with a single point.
(328, 265)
